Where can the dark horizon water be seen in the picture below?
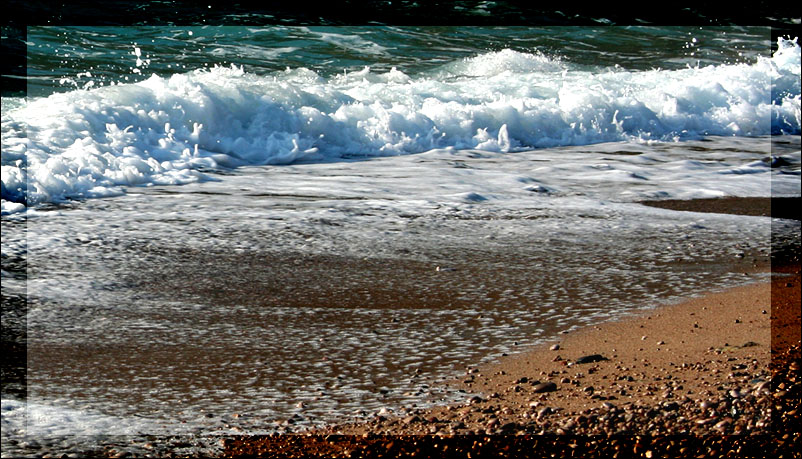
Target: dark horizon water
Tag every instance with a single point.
(20, 15)
(62, 56)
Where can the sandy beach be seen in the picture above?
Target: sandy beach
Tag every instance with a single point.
(713, 376)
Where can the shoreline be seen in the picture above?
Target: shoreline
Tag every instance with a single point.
(584, 415)
(700, 378)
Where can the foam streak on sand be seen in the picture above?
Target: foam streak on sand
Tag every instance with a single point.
(721, 371)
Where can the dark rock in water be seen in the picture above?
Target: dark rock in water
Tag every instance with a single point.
(591, 358)
(545, 387)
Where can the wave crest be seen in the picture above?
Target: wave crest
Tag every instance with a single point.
(166, 130)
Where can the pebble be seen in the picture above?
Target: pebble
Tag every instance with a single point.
(591, 358)
(734, 393)
(671, 406)
(723, 424)
(555, 347)
(547, 386)
(510, 427)
(705, 421)
(763, 386)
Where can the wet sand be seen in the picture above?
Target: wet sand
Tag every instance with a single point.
(708, 377)
(764, 207)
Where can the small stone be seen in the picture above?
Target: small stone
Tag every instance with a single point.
(705, 421)
(671, 406)
(510, 427)
(723, 424)
(763, 386)
(591, 358)
(547, 386)
(555, 347)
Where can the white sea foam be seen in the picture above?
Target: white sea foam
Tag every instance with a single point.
(36, 419)
(29, 426)
(171, 130)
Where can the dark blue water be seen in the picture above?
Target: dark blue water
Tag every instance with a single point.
(59, 58)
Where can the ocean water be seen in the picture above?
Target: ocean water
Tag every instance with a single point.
(219, 230)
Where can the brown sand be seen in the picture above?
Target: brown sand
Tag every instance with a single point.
(714, 376)
(775, 207)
